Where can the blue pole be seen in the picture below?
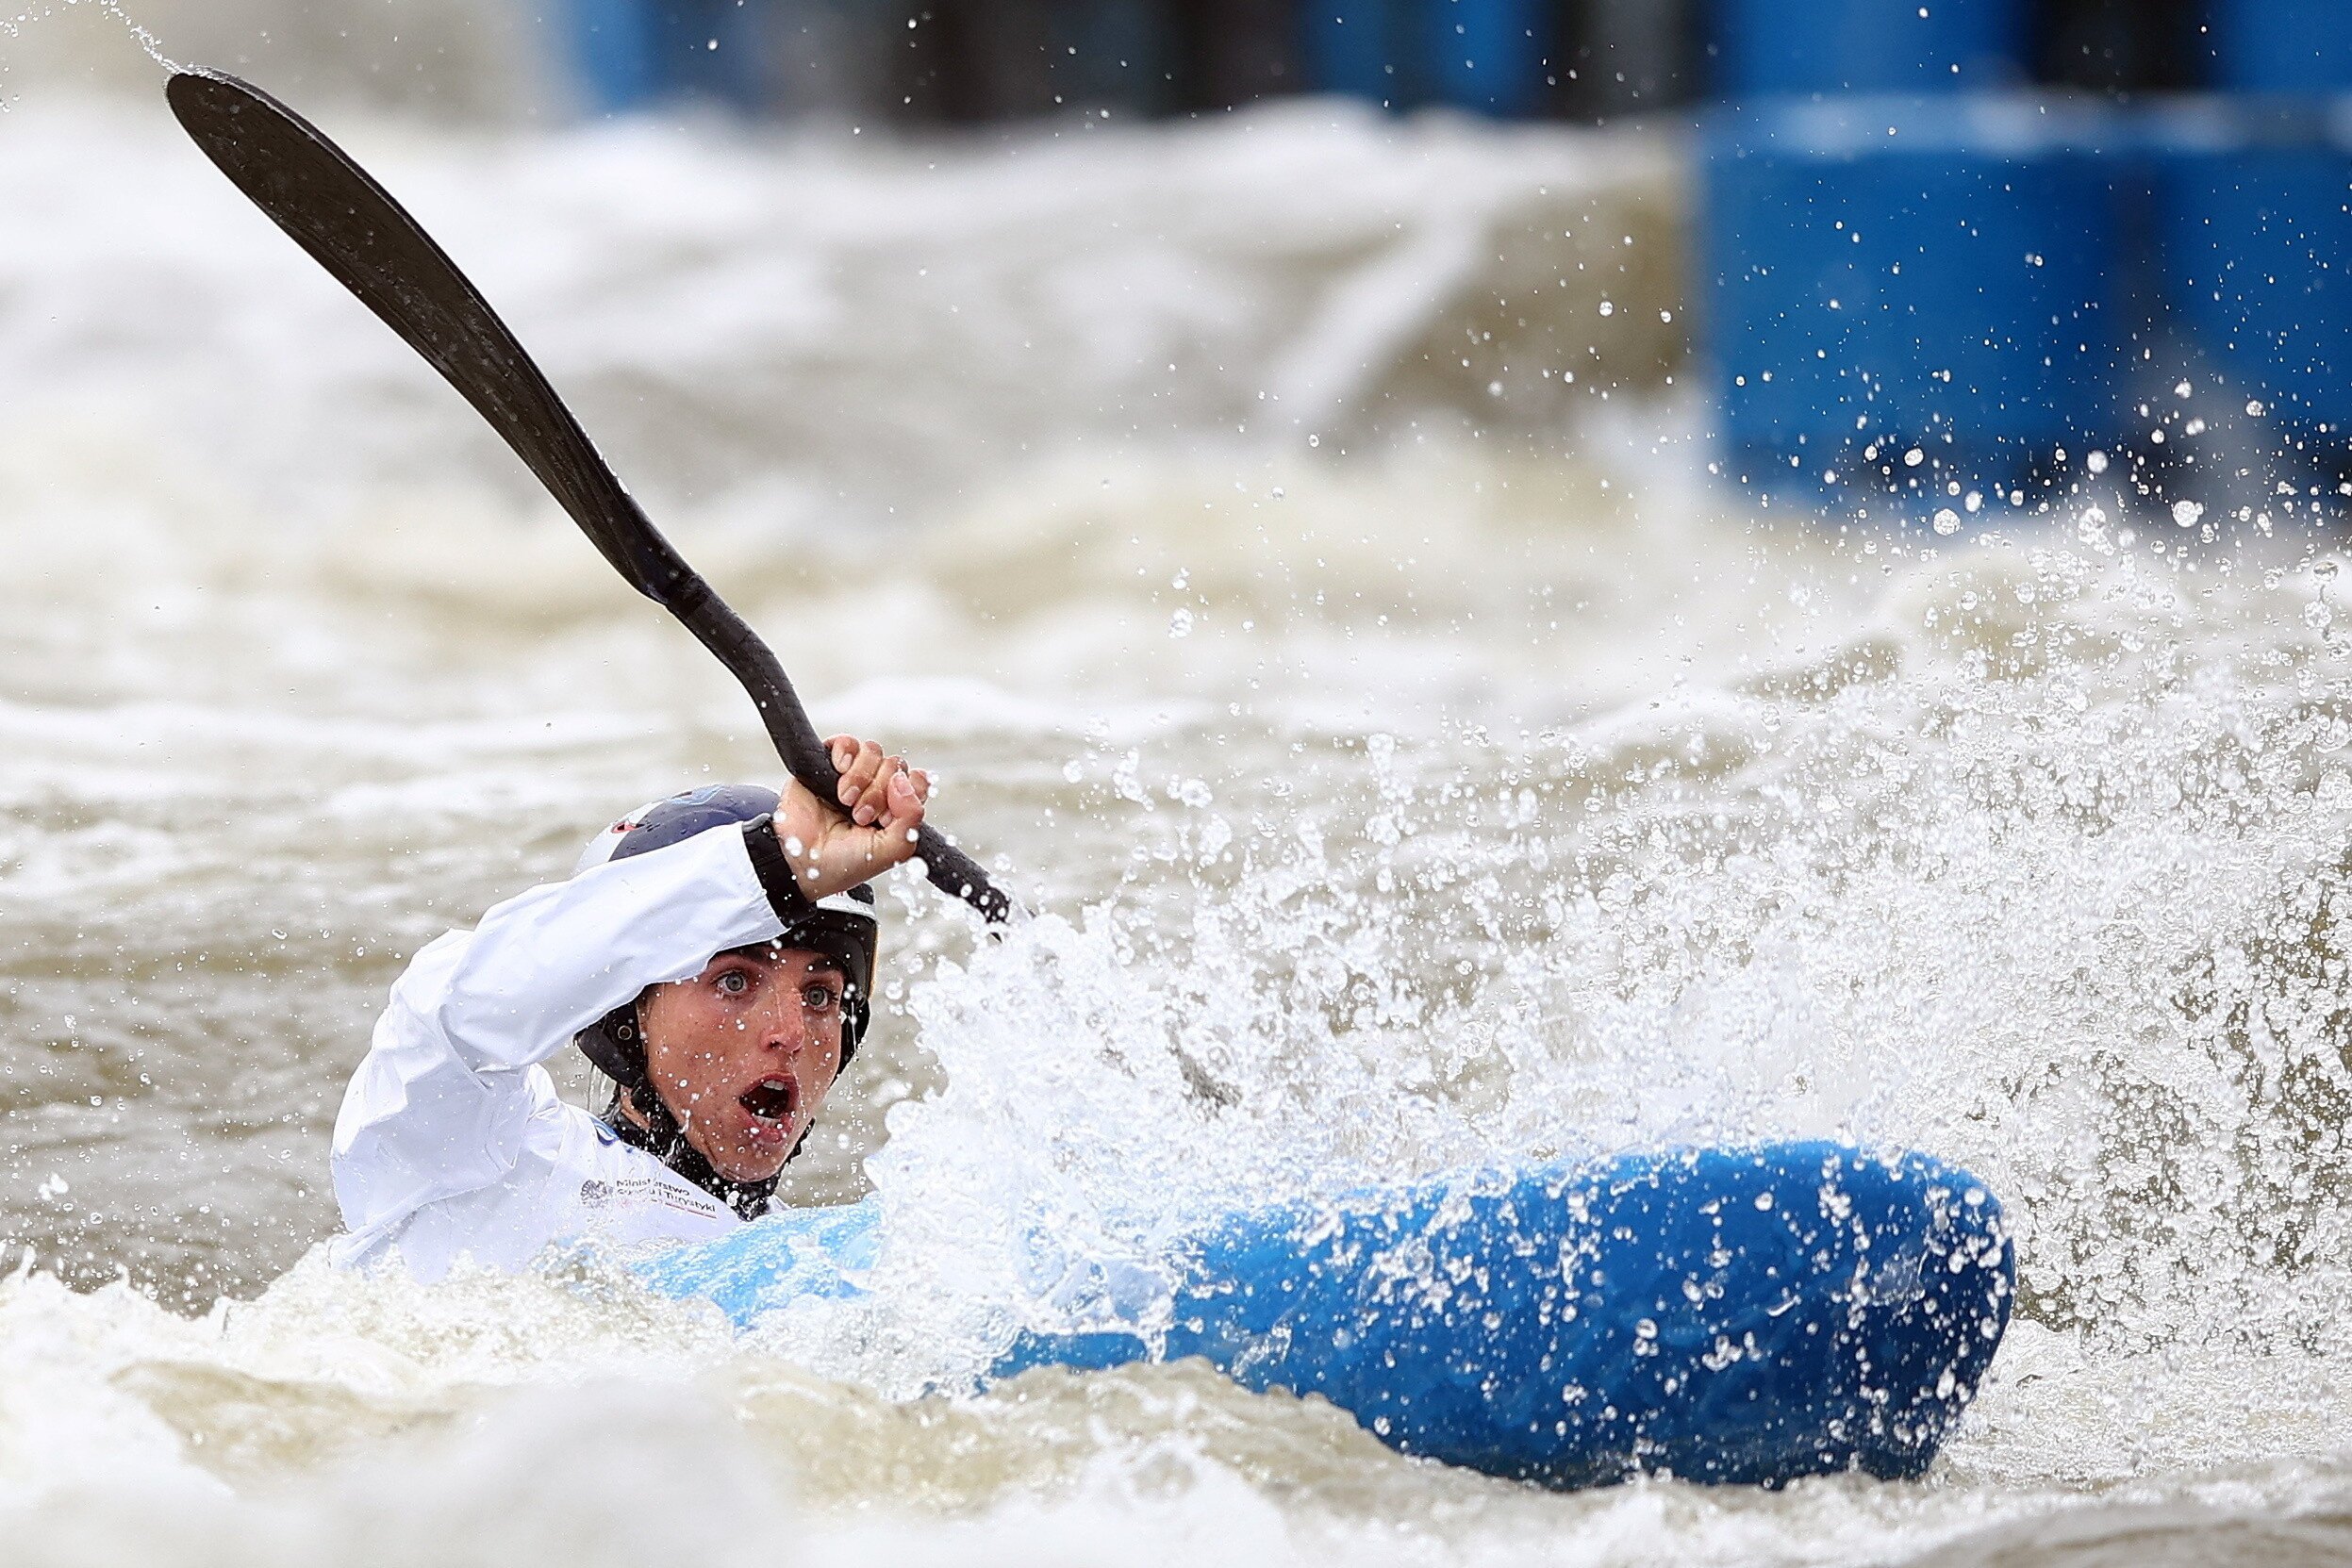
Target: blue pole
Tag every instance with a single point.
(613, 42)
(1807, 47)
(2283, 45)
(1351, 47)
(1955, 289)
(1489, 54)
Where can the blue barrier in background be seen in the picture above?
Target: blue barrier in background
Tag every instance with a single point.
(633, 53)
(2253, 241)
(1822, 46)
(1891, 252)
(1490, 54)
(1486, 55)
(1962, 274)
(2282, 46)
(613, 42)
(1352, 46)
(1950, 285)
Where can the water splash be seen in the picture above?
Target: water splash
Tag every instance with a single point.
(2038, 867)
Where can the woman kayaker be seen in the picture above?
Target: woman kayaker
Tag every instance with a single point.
(712, 953)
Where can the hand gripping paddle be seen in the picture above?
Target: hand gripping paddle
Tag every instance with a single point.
(352, 226)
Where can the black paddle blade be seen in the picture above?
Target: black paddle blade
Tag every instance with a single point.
(353, 228)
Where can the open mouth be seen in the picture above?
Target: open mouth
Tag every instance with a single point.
(772, 1099)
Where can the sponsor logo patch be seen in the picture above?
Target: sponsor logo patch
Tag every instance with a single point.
(645, 1192)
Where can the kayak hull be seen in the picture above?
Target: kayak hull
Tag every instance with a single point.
(1724, 1316)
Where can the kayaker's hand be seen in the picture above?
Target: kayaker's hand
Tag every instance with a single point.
(837, 844)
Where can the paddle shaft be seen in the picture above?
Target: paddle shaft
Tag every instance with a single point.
(369, 243)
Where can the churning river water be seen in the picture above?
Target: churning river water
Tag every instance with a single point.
(1290, 542)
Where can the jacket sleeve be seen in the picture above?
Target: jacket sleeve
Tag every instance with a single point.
(444, 1101)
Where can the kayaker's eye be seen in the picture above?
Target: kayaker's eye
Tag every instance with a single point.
(734, 982)
(818, 998)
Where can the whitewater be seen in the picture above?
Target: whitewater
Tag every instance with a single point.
(1300, 565)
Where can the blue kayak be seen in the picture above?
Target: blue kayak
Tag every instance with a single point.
(1727, 1315)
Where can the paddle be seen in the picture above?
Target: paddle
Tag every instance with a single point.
(352, 226)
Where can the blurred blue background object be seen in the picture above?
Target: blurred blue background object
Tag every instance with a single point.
(1998, 279)
(1810, 46)
(1486, 55)
(1354, 45)
(2253, 232)
(636, 53)
(1892, 274)
(979, 60)
(1489, 55)
(2282, 46)
(1980, 229)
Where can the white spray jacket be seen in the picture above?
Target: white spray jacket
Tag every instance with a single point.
(452, 1142)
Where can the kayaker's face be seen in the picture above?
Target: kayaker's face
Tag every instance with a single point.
(744, 1052)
